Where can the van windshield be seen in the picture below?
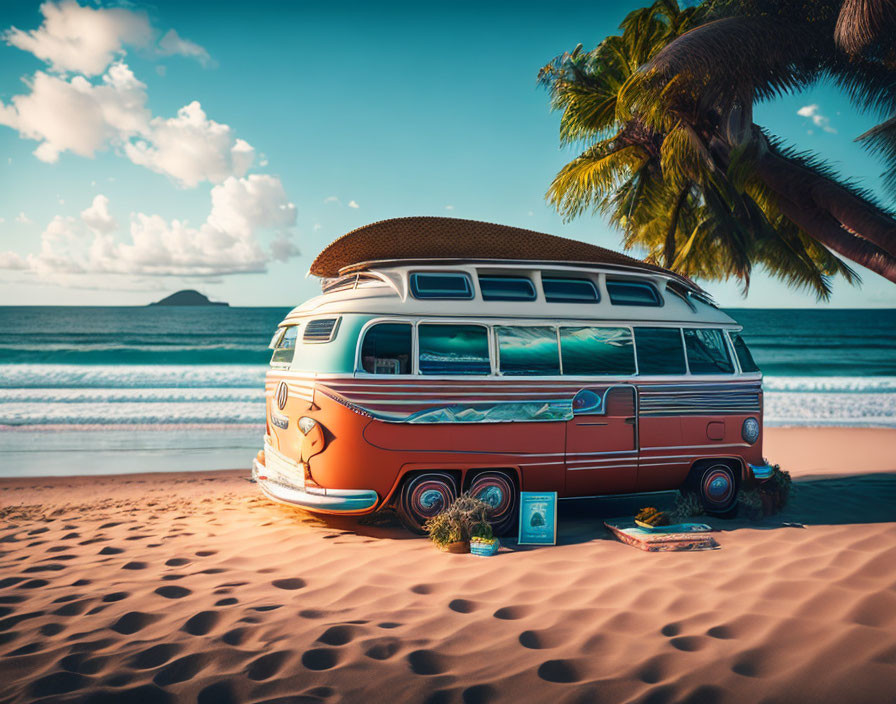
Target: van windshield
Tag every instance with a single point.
(285, 347)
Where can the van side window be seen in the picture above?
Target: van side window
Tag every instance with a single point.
(747, 365)
(285, 347)
(506, 288)
(441, 285)
(387, 349)
(453, 349)
(707, 352)
(633, 293)
(597, 351)
(659, 351)
(527, 351)
(559, 290)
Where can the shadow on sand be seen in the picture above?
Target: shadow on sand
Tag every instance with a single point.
(851, 499)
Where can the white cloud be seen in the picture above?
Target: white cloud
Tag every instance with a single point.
(449, 207)
(84, 117)
(819, 120)
(172, 43)
(317, 227)
(86, 40)
(77, 115)
(353, 204)
(228, 242)
(23, 219)
(81, 39)
(190, 148)
(332, 199)
(97, 216)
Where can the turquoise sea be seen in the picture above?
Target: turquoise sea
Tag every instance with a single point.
(94, 390)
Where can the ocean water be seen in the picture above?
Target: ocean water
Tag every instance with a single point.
(134, 389)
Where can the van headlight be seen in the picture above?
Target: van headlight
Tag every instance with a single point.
(750, 430)
(306, 424)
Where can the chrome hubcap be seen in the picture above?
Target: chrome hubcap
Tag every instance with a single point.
(492, 495)
(431, 499)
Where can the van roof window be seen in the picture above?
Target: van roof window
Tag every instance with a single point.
(563, 290)
(441, 285)
(633, 293)
(506, 288)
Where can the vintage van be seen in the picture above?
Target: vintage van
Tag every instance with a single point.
(451, 355)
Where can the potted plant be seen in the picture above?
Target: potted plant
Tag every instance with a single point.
(452, 529)
(483, 541)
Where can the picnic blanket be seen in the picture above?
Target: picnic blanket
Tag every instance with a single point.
(683, 536)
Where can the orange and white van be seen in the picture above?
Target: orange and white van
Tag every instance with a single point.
(450, 355)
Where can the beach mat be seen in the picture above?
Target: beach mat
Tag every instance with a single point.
(685, 536)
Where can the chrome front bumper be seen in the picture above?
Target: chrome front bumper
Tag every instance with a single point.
(762, 471)
(313, 498)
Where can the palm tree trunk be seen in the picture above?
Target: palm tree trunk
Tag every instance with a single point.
(669, 248)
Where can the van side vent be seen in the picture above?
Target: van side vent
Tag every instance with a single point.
(320, 330)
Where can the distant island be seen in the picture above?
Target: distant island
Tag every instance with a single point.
(188, 297)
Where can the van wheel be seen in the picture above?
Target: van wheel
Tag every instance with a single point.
(498, 491)
(715, 483)
(424, 496)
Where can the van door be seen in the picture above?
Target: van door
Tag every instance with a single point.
(602, 441)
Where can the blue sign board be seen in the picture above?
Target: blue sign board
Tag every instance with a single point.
(538, 518)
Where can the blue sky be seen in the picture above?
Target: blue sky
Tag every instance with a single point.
(304, 122)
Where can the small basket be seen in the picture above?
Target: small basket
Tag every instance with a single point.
(484, 548)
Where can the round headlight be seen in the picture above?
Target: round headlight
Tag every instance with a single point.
(306, 424)
(750, 430)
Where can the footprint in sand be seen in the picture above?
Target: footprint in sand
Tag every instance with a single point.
(135, 565)
(132, 622)
(201, 623)
(290, 584)
(116, 596)
(320, 658)
(463, 606)
(180, 670)
(512, 613)
(173, 592)
(479, 694)
(563, 671)
(73, 608)
(177, 562)
(688, 644)
(426, 662)
(338, 635)
(229, 601)
(51, 567)
(156, 655)
(267, 666)
(83, 664)
(235, 636)
(381, 648)
(57, 683)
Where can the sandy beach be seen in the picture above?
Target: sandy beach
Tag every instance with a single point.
(192, 587)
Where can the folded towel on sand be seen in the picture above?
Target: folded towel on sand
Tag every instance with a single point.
(684, 536)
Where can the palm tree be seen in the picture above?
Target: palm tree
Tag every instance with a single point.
(672, 156)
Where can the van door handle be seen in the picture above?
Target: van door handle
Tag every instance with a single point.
(630, 421)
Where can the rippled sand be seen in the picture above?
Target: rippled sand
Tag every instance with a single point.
(191, 587)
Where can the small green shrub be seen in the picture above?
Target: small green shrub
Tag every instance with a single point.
(466, 517)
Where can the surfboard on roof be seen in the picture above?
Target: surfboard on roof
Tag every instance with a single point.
(453, 239)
